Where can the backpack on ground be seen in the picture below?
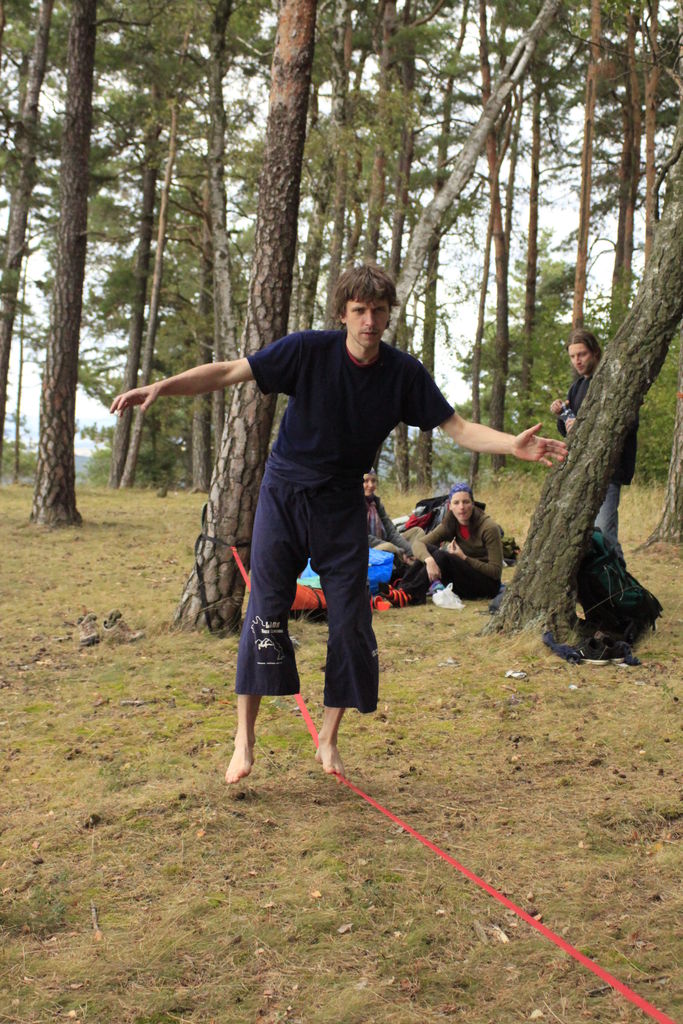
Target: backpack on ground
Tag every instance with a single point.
(612, 599)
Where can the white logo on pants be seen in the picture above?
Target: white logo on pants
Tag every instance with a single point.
(266, 640)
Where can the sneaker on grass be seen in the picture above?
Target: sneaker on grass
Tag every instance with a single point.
(618, 651)
(88, 633)
(117, 630)
(595, 652)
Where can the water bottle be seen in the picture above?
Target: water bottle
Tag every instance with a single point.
(567, 413)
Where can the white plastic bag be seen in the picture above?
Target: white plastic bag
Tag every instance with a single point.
(447, 599)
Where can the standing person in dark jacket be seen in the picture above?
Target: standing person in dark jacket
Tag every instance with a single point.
(585, 354)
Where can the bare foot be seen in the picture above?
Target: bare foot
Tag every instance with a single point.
(328, 756)
(241, 763)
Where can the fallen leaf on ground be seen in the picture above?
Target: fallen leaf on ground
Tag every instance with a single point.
(344, 929)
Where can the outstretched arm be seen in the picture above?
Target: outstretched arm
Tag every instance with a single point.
(527, 445)
(197, 381)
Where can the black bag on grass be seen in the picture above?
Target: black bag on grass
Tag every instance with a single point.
(613, 600)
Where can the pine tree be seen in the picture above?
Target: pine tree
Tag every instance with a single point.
(54, 497)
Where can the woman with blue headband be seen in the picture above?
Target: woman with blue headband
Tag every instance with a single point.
(465, 549)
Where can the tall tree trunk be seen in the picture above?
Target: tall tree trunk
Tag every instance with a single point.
(314, 252)
(651, 87)
(400, 433)
(669, 530)
(402, 198)
(406, 149)
(25, 144)
(355, 225)
(225, 326)
(356, 218)
(433, 215)
(136, 326)
(239, 468)
(478, 339)
(201, 405)
(377, 181)
(502, 342)
(341, 62)
(670, 527)
(20, 382)
(586, 166)
(130, 467)
(543, 591)
(531, 253)
(629, 176)
(54, 497)
(424, 452)
(305, 281)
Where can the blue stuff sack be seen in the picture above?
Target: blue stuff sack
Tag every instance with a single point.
(380, 568)
(310, 578)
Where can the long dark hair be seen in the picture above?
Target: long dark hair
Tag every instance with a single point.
(580, 336)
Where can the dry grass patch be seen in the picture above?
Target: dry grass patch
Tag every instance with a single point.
(235, 905)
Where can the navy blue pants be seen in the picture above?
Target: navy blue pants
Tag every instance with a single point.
(329, 524)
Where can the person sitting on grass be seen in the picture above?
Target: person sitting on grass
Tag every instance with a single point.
(471, 558)
(382, 532)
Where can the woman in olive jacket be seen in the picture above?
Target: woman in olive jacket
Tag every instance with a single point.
(472, 559)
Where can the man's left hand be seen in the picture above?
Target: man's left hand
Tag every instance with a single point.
(529, 447)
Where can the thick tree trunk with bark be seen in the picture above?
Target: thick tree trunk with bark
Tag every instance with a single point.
(20, 200)
(586, 166)
(239, 468)
(433, 215)
(136, 327)
(543, 591)
(54, 497)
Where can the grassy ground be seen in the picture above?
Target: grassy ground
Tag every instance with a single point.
(137, 889)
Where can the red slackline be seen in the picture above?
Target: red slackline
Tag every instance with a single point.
(566, 947)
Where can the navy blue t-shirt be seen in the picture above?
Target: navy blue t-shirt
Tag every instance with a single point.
(340, 412)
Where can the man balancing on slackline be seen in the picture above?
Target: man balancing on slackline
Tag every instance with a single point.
(347, 391)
